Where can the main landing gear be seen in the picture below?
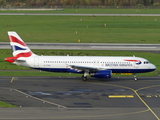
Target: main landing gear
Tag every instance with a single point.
(84, 77)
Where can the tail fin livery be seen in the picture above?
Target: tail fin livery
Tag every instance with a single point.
(19, 48)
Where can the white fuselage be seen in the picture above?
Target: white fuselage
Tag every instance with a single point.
(64, 63)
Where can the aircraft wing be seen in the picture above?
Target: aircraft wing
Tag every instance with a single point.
(86, 68)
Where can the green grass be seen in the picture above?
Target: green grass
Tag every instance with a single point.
(15, 73)
(6, 105)
(62, 29)
(91, 11)
(152, 57)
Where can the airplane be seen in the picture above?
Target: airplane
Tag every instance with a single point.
(94, 66)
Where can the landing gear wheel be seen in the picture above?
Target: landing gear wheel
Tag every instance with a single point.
(84, 78)
(135, 79)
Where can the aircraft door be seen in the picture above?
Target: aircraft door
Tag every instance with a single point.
(36, 62)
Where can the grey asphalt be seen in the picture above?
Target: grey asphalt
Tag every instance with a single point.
(41, 98)
(89, 46)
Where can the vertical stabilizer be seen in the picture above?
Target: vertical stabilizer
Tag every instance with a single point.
(18, 46)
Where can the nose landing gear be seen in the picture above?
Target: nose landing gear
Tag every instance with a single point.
(135, 77)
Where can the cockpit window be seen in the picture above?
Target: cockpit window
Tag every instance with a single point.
(146, 62)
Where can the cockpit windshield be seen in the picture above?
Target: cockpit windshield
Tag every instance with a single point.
(146, 62)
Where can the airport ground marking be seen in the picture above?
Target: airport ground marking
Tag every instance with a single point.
(148, 87)
(146, 105)
(148, 96)
(119, 114)
(12, 79)
(44, 101)
(121, 96)
(135, 91)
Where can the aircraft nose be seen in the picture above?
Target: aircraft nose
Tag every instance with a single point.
(153, 67)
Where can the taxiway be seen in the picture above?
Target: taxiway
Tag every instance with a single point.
(89, 46)
(70, 98)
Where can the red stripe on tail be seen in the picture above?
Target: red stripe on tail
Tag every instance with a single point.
(14, 39)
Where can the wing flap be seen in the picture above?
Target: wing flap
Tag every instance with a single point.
(86, 68)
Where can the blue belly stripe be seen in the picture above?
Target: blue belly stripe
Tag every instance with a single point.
(113, 70)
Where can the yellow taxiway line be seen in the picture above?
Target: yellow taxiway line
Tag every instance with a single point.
(121, 96)
(136, 92)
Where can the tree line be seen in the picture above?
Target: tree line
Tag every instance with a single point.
(79, 2)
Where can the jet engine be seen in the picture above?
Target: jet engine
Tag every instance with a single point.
(102, 74)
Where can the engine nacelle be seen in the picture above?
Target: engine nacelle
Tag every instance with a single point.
(102, 74)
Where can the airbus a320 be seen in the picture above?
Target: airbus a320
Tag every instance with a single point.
(94, 66)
